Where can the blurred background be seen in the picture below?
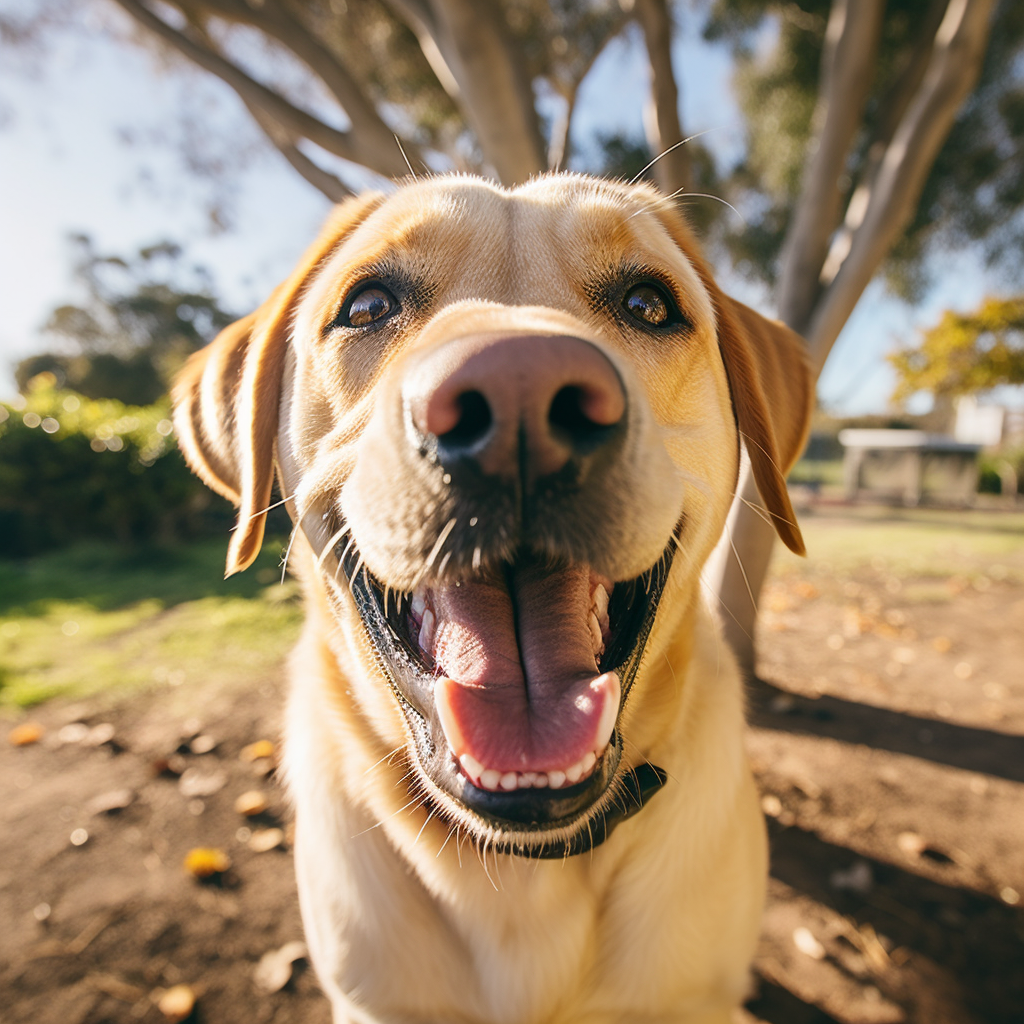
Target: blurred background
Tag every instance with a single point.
(854, 168)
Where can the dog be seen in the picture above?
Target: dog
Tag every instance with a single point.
(507, 424)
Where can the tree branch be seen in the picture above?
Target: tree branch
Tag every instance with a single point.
(332, 187)
(851, 46)
(879, 212)
(419, 19)
(252, 92)
(371, 138)
(673, 169)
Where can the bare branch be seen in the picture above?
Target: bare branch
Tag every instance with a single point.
(673, 171)
(371, 138)
(879, 212)
(418, 17)
(252, 92)
(332, 187)
(851, 45)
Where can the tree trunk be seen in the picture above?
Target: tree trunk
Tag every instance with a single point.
(877, 213)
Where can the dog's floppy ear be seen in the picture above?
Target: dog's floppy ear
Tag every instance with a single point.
(771, 385)
(227, 397)
(770, 381)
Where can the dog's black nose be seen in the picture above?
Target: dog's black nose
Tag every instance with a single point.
(516, 406)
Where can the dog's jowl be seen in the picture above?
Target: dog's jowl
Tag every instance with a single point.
(508, 427)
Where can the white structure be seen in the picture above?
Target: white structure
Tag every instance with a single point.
(909, 466)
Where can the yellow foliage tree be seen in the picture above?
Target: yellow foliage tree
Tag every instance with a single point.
(965, 353)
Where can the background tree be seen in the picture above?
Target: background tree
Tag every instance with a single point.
(876, 130)
(965, 353)
(140, 320)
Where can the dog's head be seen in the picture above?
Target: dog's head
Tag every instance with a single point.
(508, 422)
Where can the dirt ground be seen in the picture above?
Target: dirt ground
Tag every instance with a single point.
(886, 735)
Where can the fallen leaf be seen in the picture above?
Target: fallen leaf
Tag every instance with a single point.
(265, 839)
(911, 843)
(174, 764)
(251, 803)
(177, 1003)
(203, 744)
(274, 970)
(206, 861)
(109, 803)
(73, 732)
(261, 748)
(196, 782)
(808, 944)
(99, 734)
(25, 734)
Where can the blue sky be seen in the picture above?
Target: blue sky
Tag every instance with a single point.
(65, 167)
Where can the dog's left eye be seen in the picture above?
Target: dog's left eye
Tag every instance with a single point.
(368, 307)
(649, 305)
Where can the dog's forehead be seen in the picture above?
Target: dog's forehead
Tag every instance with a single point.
(514, 245)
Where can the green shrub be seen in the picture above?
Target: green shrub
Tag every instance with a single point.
(73, 468)
(992, 466)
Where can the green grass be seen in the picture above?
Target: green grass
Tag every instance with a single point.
(96, 616)
(827, 472)
(910, 542)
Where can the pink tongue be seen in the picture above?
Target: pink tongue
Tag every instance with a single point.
(520, 689)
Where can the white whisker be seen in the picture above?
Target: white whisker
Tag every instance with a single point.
(288, 551)
(439, 543)
(405, 157)
(329, 546)
(665, 152)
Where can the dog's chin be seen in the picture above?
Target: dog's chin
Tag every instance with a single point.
(512, 684)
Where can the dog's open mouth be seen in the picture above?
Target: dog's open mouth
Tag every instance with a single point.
(512, 683)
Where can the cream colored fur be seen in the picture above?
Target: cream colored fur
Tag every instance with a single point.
(409, 918)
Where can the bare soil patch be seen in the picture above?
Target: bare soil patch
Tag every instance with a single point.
(892, 776)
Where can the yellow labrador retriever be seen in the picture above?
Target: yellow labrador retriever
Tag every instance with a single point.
(508, 423)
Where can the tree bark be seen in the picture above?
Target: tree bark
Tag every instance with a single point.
(672, 168)
(476, 61)
(848, 61)
(878, 211)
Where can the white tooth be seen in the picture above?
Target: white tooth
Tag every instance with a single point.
(471, 766)
(600, 601)
(588, 762)
(509, 781)
(556, 780)
(575, 773)
(418, 604)
(606, 725)
(490, 779)
(527, 780)
(541, 781)
(426, 637)
(595, 632)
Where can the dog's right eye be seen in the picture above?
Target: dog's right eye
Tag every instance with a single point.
(369, 306)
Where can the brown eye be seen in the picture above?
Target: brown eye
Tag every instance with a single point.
(647, 304)
(370, 306)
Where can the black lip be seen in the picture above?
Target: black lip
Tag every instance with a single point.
(523, 821)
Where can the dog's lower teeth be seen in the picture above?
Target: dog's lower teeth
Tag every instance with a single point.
(493, 780)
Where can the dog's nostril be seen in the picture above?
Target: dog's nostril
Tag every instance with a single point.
(570, 415)
(475, 419)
